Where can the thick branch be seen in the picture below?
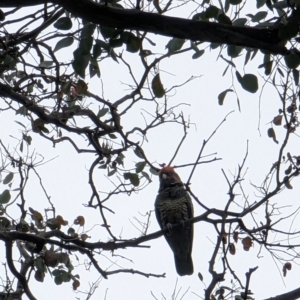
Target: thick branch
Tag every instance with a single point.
(293, 295)
(169, 26)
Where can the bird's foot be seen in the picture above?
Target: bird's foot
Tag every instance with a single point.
(182, 223)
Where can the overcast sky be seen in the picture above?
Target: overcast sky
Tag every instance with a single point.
(65, 177)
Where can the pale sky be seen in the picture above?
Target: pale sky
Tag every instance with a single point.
(65, 177)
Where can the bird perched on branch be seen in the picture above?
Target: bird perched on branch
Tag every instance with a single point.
(173, 205)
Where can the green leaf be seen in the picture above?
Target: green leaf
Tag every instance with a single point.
(27, 139)
(239, 77)
(222, 96)
(133, 44)
(5, 197)
(250, 83)
(290, 30)
(234, 51)
(112, 136)
(138, 153)
(63, 43)
(292, 60)
(97, 50)
(80, 62)
(64, 23)
(58, 280)
(235, 2)
(30, 88)
(198, 54)
(260, 3)
(174, 44)
(134, 178)
(116, 43)
(8, 178)
(157, 87)
(88, 30)
(153, 171)
(240, 22)
(211, 12)
(112, 172)
(259, 16)
(39, 276)
(102, 112)
(46, 64)
(107, 32)
(223, 19)
(296, 76)
(146, 175)
(66, 86)
(22, 111)
(40, 265)
(139, 167)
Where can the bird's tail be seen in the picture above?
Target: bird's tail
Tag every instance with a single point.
(184, 265)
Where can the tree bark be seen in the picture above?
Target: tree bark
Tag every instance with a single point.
(253, 37)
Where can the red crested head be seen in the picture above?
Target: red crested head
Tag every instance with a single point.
(168, 177)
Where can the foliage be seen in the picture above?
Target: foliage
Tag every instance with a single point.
(51, 99)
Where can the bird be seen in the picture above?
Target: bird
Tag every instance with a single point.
(173, 205)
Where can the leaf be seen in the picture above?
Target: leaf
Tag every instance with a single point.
(8, 178)
(211, 12)
(288, 170)
(146, 175)
(198, 54)
(296, 76)
(75, 284)
(80, 62)
(139, 167)
(277, 120)
(153, 171)
(290, 29)
(39, 276)
(46, 64)
(157, 87)
(79, 221)
(250, 83)
(133, 44)
(240, 22)
(63, 43)
(286, 266)
(200, 276)
(112, 136)
(259, 16)
(22, 111)
(247, 243)
(174, 44)
(235, 2)
(102, 112)
(287, 183)
(222, 18)
(138, 153)
(235, 236)
(239, 77)
(292, 60)
(107, 32)
(64, 23)
(232, 249)
(272, 135)
(222, 96)
(260, 3)
(134, 178)
(5, 197)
